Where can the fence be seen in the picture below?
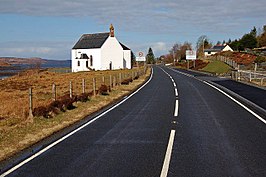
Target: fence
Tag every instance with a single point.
(227, 60)
(26, 93)
(258, 78)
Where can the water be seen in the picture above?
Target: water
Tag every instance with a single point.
(14, 69)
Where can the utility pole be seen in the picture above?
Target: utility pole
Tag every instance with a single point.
(203, 47)
(174, 56)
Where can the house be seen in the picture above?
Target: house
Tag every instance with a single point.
(217, 48)
(100, 51)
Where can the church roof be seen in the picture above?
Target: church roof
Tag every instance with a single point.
(91, 41)
(124, 47)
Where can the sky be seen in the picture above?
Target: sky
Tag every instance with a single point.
(50, 28)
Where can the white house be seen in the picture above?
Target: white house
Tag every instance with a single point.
(100, 51)
(217, 48)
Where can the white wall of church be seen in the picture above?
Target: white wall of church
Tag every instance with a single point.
(112, 52)
(79, 64)
(127, 58)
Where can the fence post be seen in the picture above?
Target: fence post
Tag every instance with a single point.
(111, 81)
(70, 89)
(114, 83)
(261, 81)
(54, 92)
(94, 86)
(103, 80)
(83, 85)
(120, 78)
(30, 103)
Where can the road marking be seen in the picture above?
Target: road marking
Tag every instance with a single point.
(240, 104)
(243, 106)
(174, 84)
(176, 108)
(167, 158)
(176, 92)
(73, 132)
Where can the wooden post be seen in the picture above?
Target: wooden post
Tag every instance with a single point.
(120, 78)
(30, 103)
(111, 81)
(114, 81)
(70, 89)
(103, 80)
(83, 85)
(94, 86)
(54, 92)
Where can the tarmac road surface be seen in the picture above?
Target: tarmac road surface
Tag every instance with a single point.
(176, 125)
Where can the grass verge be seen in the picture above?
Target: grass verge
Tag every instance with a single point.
(15, 137)
(216, 67)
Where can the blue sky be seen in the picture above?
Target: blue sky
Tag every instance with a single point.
(49, 28)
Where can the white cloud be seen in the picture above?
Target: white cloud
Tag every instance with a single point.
(181, 19)
(159, 48)
(151, 16)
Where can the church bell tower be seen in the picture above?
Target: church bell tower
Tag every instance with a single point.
(112, 31)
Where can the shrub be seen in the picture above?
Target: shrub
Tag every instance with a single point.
(83, 97)
(126, 81)
(103, 90)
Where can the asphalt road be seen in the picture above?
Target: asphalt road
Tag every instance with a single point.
(211, 135)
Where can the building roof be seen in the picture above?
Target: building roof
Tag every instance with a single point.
(124, 47)
(216, 48)
(91, 41)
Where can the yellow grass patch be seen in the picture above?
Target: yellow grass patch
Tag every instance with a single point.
(17, 133)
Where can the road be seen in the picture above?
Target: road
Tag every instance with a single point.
(176, 125)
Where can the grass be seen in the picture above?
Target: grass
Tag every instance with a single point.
(216, 67)
(17, 133)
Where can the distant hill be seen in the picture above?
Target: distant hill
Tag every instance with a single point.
(7, 61)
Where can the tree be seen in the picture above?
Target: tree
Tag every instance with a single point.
(133, 59)
(235, 45)
(262, 38)
(248, 41)
(203, 43)
(178, 51)
(150, 59)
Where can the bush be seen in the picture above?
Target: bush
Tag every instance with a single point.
(126, 81)
(103, 90)
(260, 59)
(84, 97)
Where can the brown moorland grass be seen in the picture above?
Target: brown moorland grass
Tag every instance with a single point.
(17, 133)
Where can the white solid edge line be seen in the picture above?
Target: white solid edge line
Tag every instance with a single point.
(243, 106)
(167, 158)
(73, 132)
(176, 108)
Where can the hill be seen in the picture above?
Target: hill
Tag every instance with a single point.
(7, 61)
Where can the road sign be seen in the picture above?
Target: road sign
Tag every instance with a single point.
(191, 55)
(140, 57)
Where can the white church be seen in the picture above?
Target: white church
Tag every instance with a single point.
(100, 51)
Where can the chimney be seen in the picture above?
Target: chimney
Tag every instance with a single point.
(112, 31)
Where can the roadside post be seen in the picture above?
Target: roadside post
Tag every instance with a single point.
(140, 57)
(191, 55)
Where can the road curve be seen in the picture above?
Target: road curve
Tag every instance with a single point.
(176, 126)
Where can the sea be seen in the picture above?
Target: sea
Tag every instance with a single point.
(6, 72)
